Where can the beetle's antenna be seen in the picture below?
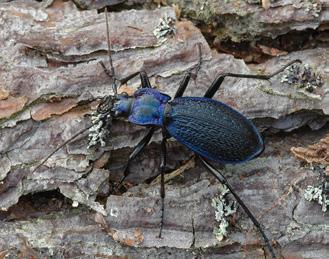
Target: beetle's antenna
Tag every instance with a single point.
(59, 147)
(108, 42)
(112, 73)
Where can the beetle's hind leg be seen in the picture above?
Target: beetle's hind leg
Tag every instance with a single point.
(220, 78)
(183, 84)
(220, 177)
(138, 148)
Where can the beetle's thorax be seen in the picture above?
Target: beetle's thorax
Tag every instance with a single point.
(145, 107)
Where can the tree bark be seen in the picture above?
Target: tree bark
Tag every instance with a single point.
(49, 66)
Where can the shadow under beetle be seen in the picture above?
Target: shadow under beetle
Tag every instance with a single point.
(210, 128)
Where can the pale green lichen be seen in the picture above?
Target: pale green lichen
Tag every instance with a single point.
(165, 28)
(316, 194)
(223, 209)
(200, 10)
(99, 133)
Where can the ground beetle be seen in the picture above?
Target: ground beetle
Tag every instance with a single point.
(210, 128)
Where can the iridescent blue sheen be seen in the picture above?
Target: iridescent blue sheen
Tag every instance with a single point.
(148, 107)
(123, 105)
(214, 130)
(208, 127)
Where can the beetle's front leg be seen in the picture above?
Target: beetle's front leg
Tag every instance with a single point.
(138, 148)
(163, 165)
(183, 84)
(145, 82)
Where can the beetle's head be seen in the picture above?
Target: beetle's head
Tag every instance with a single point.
(112, 106)
(122, 105)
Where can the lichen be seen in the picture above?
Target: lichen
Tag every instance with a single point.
(99, 133)
(304, 77)
(223, 209)
(200, 10)
(311, 7)
(316, 194)
(101, 119)
(165, 28)
(317, 155)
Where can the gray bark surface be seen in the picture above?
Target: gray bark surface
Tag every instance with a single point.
(49, 70)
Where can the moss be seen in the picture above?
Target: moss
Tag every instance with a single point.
(203, 12)
(237, 26)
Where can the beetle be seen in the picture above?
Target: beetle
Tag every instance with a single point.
(211, 129)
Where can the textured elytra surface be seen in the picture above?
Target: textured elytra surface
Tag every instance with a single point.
(50, 55)
(213, 130)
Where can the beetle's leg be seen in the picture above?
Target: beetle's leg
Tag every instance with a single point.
(162, 170)
(220, 177)
(183, 84)
(145, 82)
(218, 81)
(136, 150)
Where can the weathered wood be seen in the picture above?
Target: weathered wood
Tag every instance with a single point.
(49, 70)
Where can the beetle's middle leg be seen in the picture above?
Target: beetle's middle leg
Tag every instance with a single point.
(163, 165)
(220, 78)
